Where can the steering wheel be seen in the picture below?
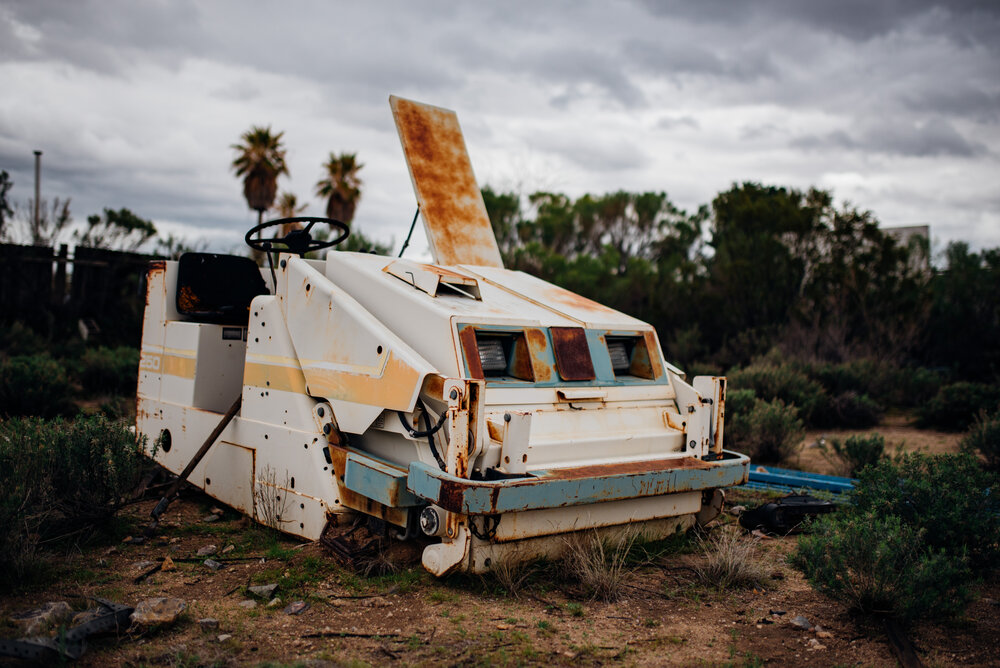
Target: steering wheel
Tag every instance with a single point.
(300, 241)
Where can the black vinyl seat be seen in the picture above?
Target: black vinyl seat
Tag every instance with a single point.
(217, 288)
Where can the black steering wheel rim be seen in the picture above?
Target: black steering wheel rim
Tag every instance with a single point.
(297, 241)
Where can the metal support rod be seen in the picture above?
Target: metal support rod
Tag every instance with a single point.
(198, 456)
(412, 225)
(38, 185)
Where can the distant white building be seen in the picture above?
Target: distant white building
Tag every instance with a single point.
(904, 236)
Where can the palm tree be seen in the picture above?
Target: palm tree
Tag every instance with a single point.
(288, 207)
(260, 159)
(341, 186)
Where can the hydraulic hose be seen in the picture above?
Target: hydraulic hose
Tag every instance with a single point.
(428, 432)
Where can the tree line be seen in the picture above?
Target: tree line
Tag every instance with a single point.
(761, 267)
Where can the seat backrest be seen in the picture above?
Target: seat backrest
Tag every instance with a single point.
(218, 288)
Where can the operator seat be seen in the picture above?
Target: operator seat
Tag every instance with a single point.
(217, 288)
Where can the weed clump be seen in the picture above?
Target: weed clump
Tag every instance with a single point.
(731, 561)
(59, 479)
(984, 438)
(766, 431)
(598, 563)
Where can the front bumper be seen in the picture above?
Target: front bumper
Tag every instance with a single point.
(574, 486)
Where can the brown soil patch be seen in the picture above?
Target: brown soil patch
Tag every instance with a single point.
(666, 616)
(900, 436)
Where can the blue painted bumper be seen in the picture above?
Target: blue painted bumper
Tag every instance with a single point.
(576, 486)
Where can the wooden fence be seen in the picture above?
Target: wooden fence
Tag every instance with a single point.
(94, 291)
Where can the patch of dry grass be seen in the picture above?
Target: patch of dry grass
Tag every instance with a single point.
(600, 564)
(731, 560)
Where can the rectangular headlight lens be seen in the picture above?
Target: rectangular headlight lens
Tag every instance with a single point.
(492, 355)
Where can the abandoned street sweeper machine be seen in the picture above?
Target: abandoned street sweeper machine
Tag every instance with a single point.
(481, 410)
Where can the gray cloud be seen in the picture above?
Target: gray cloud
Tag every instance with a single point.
(932, 139)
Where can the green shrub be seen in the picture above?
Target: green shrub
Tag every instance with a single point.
(34, 385)
(880, 565)
(984, 438)
(853, 411)
(892, 385)
(19, 339)
(857, 452)
(109, 370)
(950, 497)
(769, 431)
(784, 382)
(956, 406)
(59, 478)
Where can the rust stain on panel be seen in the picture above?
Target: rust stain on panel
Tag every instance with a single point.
(572, 353)
(653, 349)
(451, 203)
(538, 344)
(560, 296)
(467, 335)
(626, 468)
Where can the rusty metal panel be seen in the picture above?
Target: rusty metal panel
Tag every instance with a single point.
(559, 489)
(572, 353)
(451, 204)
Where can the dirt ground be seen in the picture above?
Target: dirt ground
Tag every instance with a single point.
(666, 616)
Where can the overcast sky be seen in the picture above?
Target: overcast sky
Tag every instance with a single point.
(894, 106)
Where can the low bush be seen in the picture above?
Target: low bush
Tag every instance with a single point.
(766, 431)
(19, 339)
(880, 565)
(58, 479)
(856, 453)
(109, 370)
(851, 410)
(984, 438)
(950, 497)
(955, 406)
(34, 385)
(908, 545)
(892, 385)
(784, 382)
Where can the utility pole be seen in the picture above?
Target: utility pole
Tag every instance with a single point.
(38, 184)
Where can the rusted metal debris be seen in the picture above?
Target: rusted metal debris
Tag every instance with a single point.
(71, 645)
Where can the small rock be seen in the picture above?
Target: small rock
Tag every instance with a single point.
(503, 627)
(143, 565)
(296, 608)
(824, 634)
(274, 602)
(168, 564)
(175, 540)
(801, 622)
(337, 602)
(776, 612)
(248, 604)
(224, 637)
(815, 644)
(216, 510)
(161, 610)
(53, 613)
(211, 518)
(213, 564)
(263, 591)
(111, 550)
(736, 510)
(228, 548)
(208, 624)
(207, 551)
